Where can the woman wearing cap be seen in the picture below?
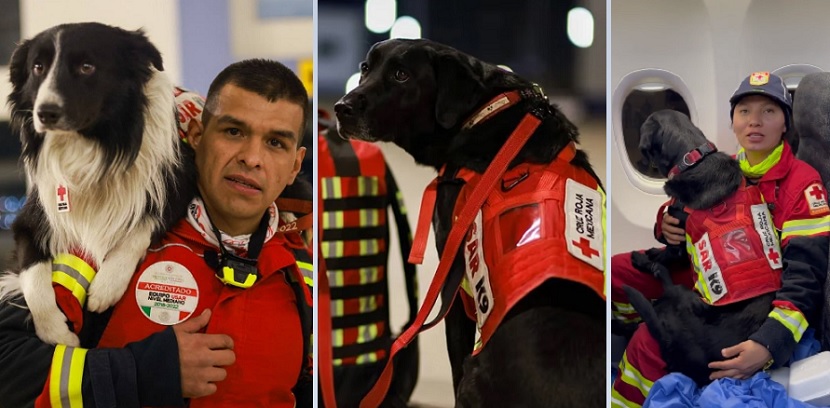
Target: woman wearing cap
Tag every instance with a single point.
(761, 114)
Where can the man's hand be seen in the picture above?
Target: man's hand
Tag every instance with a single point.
(751, 357)
(202, 356)
(671, 232)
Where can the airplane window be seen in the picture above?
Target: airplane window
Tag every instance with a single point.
(641, 102)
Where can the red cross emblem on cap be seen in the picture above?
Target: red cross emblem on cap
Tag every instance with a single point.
(759, 78)
(585, 246)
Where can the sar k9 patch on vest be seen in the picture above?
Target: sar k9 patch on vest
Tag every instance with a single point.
(167, 293)
(708, 270)
(583, 223)
(478, 274)
(816, 199)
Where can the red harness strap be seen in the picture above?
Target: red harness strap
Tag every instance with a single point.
(477, 198)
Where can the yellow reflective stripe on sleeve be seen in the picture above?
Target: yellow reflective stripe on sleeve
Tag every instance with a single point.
(66, 377)
(74, 274)
(631, 376)
(806, 227)
(624, 307)
(307, 270)
(793, 320)
(618, 401)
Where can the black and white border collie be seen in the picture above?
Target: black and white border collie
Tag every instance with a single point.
(96, 120)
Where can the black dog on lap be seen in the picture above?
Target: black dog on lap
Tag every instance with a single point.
(549, 349)
(691, 333)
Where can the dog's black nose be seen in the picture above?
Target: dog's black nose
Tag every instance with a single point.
(350, 105)
(49, 114)
(343, 109)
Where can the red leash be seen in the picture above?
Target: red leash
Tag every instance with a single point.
(491, 176)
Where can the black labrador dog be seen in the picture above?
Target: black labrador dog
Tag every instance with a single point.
(549, 350)
(691, 333)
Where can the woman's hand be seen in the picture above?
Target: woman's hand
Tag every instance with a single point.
(671, 232)
(744, 360)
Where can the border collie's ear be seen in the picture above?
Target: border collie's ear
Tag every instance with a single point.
(143, 47)
(18, 71)
(459, 81)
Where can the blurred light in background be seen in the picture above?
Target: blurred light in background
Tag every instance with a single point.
(652, 87)
(406, 27)
(353, 81)
(581, 27)
(380, 15)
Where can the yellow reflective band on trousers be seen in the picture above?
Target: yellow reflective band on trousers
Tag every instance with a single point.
(74, 274)
(793, 320)
(308, 272)
(631, 376)
(618, 401)
(802, 228)
(66, 377)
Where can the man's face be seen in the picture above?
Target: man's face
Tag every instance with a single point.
(246, 154)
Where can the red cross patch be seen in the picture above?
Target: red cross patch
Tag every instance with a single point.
(759, 78)
(816, 199)
(62, 195)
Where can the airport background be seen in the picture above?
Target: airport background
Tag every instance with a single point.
(531, 37)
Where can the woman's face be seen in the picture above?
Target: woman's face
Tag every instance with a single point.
(758, 123)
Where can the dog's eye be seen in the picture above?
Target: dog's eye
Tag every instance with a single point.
(401, 76)
(86, 69)
(364, 68)
(37, 69)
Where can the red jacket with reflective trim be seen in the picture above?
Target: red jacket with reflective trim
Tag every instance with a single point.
(785, 188)
(263, 321)
(544, 221)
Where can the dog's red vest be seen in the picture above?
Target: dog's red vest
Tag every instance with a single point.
(734, 248)
(545, 221)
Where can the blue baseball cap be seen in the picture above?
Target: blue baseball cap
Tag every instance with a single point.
(769, 85)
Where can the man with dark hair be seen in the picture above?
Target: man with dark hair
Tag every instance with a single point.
(218, 313)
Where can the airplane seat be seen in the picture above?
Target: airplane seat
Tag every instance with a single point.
(811, 120)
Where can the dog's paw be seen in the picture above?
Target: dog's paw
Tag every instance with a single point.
(105, 291)
(641, 261)
(54, 330)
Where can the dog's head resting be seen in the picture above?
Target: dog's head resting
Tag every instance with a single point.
(665, 138)
(418, 93)
(84, 79)
(667, 135)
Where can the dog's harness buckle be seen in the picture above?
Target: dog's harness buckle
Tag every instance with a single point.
(692, 157)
